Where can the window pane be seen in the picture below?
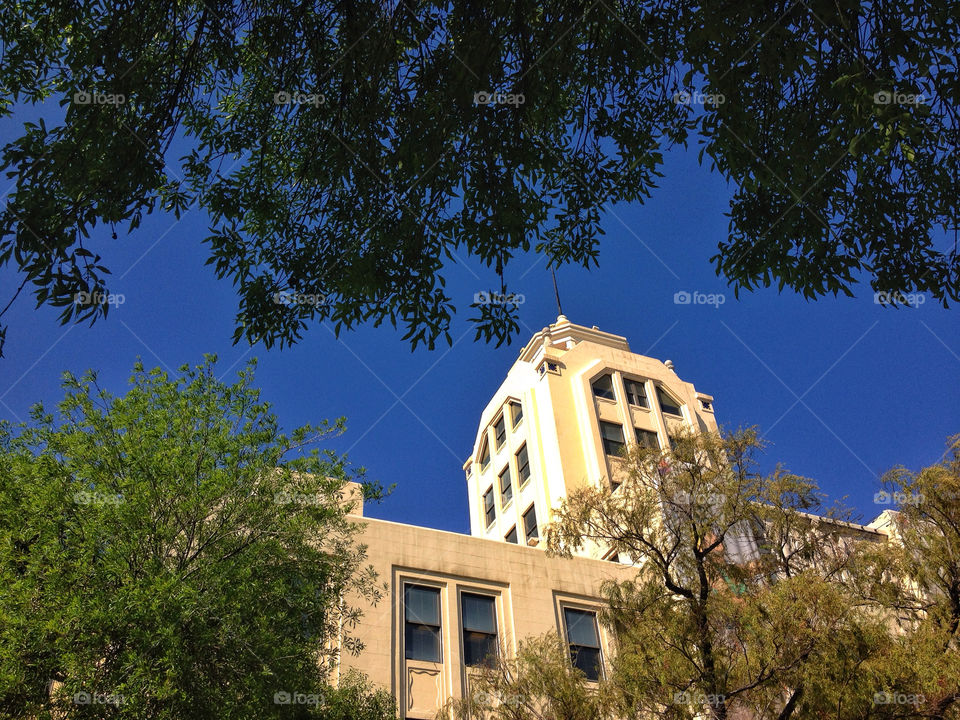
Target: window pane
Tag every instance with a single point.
(478, 648)
(636, 395)
(484, 455)
(647, 439)
(523, 465)
(612, 436)
(667, 403)
(489, 511)
(603, 387)
(530, 524)
(506, 486)
(422, 605)
(479, 613)
(581, 627)
(587, 660)
(512, 536)
(500, 431)
(516, 413)
(422, 642)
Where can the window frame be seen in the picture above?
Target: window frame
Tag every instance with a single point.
(495, 635)
(438, 628)
(489, 509)
(499, 438)
(515, 405)
(532, 510)
(672, 402)
(613, 390)
(640, 432)
(642, 385)
(505, 499)
(521, 479)
(577, 647)
(604, 439)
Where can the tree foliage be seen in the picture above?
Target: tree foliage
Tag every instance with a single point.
(344, 151)
(170, 553)
(754, 599)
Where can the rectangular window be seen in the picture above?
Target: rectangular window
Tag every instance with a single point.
(500, 431)
(511, 537)
(489, 510)
(636, 394)
(612, 436)
(506, 487)
(516, 413)
(603, 387)
(667, 403)
(584, 641)
(484, 455)
(479, 629)
(523, 465)
(530, 526)
(421, 614)
(647, 439)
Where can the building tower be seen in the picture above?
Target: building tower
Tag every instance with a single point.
(569, 403)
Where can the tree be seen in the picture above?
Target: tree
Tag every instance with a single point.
(745, 603)
(344, 150)
(170, 553)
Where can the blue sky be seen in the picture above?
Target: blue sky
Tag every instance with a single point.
(842, 388)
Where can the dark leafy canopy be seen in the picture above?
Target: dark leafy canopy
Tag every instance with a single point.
(170, 554)
(343, 153)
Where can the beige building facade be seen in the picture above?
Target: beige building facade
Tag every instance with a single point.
(573, 398)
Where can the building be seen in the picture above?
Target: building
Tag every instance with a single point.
(573, 398)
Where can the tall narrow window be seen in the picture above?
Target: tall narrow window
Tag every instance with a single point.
(612, 436)
(484, 453)
(516, 413)
(506, 487)
(667, 403)
(489, 510)
(636, 394)
(530, 526)
(421, 614)
(500, 431)
(603, 387)
(584, 641)
(479, 628)
(523, 465)
(647, 439)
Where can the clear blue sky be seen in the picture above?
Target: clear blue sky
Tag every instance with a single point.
(843, 388)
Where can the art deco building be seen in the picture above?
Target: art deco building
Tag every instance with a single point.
(573, 398)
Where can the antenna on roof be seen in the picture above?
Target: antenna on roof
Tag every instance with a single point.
(555, 291)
